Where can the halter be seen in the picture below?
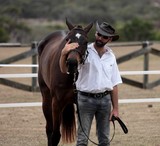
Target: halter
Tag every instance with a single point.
(83, 54)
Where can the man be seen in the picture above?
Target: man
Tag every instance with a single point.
(97, 85)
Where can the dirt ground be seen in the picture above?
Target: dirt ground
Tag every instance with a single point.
(25, 126)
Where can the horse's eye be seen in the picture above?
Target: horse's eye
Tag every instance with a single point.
(83, 42)
(67, 39)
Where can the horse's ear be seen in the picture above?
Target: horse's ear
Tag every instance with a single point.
(69, 24)
(88, 27)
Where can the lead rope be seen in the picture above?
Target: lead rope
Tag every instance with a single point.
(78, 113)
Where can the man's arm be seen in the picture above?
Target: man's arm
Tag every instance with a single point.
(62, 62)
(114, 98)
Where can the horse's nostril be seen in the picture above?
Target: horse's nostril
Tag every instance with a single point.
(72, 65)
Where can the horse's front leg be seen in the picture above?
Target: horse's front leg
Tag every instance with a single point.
(47, 109)
(56, 123)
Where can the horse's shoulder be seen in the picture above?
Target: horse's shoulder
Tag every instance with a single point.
(47, 38)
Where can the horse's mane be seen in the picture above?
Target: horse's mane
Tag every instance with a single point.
(46, 39)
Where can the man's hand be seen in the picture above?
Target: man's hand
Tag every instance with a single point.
(115, 113)
(68, 47)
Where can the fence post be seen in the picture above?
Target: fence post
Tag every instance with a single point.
(145, 45)
(34, 69)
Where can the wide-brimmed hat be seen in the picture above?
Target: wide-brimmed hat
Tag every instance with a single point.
(106, 29)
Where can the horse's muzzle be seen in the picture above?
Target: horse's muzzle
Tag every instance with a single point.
(72, 65)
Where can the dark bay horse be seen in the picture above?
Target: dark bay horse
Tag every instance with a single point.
(56, 87)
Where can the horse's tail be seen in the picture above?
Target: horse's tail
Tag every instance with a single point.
(68, 129)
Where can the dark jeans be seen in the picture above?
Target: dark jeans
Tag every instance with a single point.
(100, 108)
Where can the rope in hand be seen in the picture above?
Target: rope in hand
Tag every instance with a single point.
(113, 119)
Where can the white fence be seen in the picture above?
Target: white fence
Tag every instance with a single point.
(37, 104)
(29, 75)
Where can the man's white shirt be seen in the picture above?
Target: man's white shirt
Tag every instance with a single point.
(98, 74)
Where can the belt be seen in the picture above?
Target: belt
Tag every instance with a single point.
(95, 95)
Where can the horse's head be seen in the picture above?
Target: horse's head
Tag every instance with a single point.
(77, 34)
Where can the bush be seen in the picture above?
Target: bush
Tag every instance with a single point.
(4, 37)
(157, 36)
(137, 30)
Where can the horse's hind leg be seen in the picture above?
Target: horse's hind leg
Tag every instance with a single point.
(47, 110)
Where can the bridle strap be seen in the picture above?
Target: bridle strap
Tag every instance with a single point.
(123, 126)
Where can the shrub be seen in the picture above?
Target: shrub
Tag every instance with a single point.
(4, 37)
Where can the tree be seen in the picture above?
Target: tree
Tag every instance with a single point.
(10, 26)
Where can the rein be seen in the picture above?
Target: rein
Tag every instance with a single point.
(113, 119)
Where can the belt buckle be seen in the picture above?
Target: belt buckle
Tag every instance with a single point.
(98, 95)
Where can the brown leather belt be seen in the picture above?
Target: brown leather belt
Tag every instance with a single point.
(95, 95)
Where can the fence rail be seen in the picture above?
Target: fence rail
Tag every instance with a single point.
(145, 50)
(35, 75)
(31, 53)
(18, 65)
(120, 101)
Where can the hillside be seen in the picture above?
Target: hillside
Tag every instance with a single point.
(78, 11)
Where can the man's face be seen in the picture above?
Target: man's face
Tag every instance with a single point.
(101, 40)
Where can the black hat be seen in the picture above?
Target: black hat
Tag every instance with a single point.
(106, 29)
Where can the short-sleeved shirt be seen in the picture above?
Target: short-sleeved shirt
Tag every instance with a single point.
(98, 74)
